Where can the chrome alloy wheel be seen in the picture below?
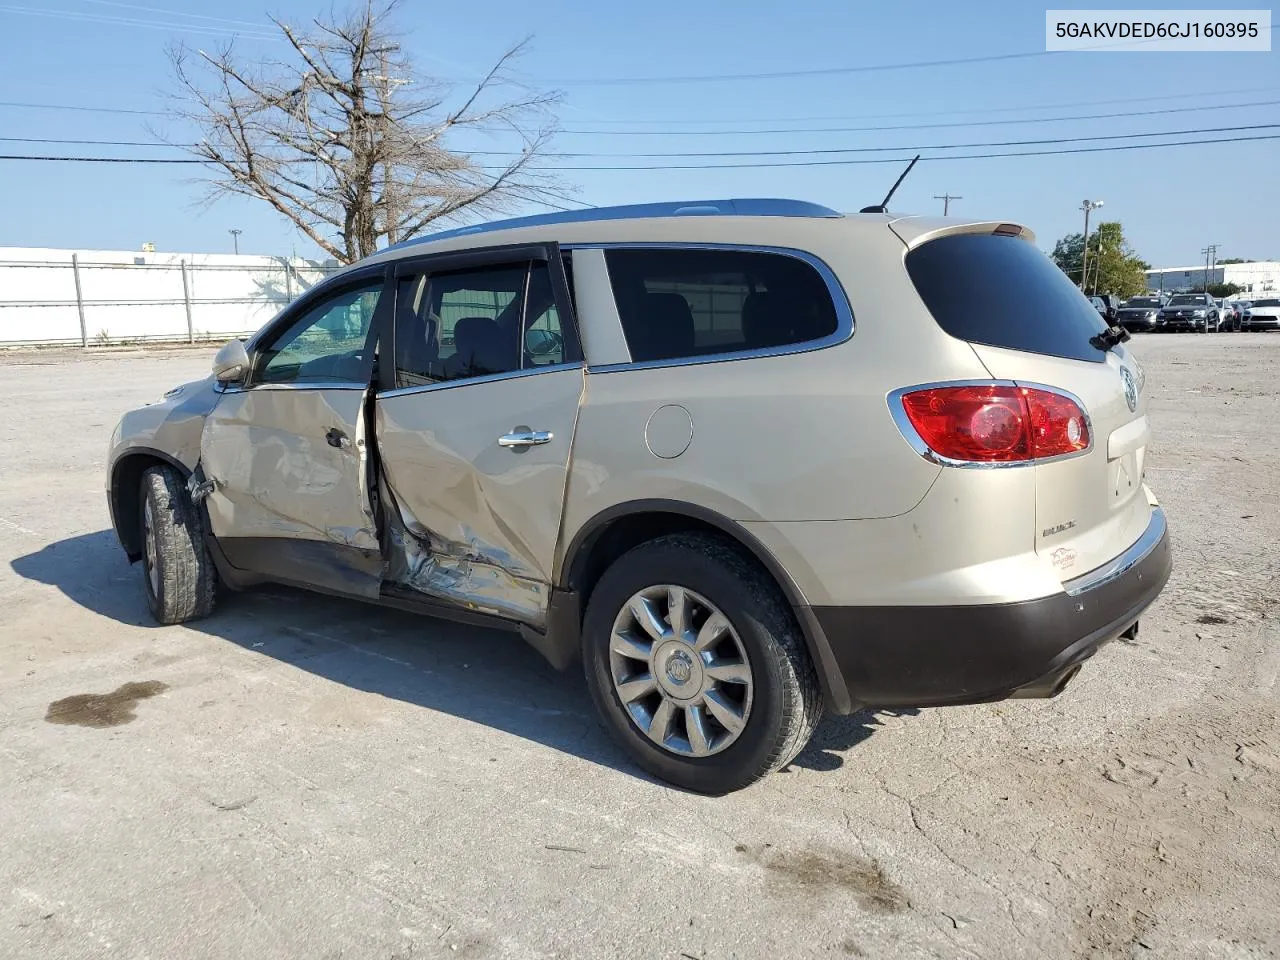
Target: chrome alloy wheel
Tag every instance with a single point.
(680, 671)
(149, 540)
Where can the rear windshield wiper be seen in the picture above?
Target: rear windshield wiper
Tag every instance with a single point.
(1112, 336)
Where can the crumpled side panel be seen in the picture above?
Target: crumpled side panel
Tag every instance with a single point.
(469, 572)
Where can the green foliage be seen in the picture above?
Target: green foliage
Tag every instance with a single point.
(1221, 290)
(1113, 265)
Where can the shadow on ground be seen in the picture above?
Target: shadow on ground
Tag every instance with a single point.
(485, 676)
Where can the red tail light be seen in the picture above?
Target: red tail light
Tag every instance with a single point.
(993, 423)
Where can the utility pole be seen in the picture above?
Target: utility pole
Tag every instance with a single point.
(946, 199)
(1087, 207)
(1210, 257)
(235, 239)
(385, 84)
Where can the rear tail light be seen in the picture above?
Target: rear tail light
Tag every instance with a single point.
(996, 423)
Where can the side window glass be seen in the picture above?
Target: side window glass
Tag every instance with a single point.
(677, 303)
(326, 344)
(474, 323)
(544, 336)
(450, 326)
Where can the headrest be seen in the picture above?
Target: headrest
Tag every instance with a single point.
(664, 327)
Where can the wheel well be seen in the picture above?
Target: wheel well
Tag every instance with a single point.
(615, 537)
(126, 479)
(590, 555)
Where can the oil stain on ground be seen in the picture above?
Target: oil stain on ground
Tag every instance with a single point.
(844, 872)
(103, 709)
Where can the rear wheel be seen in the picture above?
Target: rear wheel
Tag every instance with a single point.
(179, 576)
(697, 666)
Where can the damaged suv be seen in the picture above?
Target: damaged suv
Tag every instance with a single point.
(747, 460)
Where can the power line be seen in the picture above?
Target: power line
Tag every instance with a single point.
(92, 143)
(72, 106)
(795, 74)
(908, 147)
(737, 166)
(948, 113)
(830, 71)
(919, 126)
(177, 13)
(904, 159)
(751, 153)
(722, 153)
(258, 34)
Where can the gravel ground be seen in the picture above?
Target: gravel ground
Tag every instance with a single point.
(304, 777)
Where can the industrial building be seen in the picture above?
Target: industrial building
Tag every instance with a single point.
(1256, 278)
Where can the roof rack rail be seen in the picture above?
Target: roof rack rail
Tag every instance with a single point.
(757, 207)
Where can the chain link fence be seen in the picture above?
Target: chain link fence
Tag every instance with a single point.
(109, 298)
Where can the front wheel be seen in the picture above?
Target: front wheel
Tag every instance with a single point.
(179, 575)
(696, 663)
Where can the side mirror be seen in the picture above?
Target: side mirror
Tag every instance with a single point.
(231, 363)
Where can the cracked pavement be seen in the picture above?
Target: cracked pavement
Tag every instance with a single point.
(307, 777)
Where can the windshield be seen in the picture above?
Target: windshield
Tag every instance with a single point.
(1187, 300)
(1143, 302)
(1002, 291)
(1266, 303)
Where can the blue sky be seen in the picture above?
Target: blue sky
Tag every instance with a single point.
(1171, 201)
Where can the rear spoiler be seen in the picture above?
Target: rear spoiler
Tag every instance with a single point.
(914, 231)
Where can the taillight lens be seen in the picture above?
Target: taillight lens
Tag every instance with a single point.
(992, 423)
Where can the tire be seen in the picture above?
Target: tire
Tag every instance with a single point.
(178, 573)
(782, 702)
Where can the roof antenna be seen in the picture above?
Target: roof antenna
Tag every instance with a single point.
(884, 204)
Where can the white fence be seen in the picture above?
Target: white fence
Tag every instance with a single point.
(100, 297)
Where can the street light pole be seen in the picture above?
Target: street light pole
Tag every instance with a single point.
(235, 238)
(1087, 206)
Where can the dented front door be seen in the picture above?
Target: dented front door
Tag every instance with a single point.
(287, 454)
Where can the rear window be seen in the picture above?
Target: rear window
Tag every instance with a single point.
(677, 303)
(1003, 292)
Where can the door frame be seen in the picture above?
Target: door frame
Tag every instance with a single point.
(429, 263)
(345, 570)
(548, 253)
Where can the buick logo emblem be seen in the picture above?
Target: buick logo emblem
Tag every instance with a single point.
(1130, 389)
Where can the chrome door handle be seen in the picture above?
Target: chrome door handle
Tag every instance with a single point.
(525, 438)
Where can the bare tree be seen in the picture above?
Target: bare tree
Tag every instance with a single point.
(347, 143)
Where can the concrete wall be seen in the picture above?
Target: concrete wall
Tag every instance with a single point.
(142, 296)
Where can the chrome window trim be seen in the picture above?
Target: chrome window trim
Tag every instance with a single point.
(1119, 566)
(742, 207)
(845, 324)
(898, 412)
(487, 378)
(295, 385)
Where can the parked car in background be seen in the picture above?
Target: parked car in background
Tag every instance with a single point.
(1112, 304)
(1196, 312)
(1140, 314)
(1101, 306)
(640, 437)
(1263, 315)
(1228, 320)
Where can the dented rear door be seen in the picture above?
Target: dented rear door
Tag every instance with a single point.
(476, 430)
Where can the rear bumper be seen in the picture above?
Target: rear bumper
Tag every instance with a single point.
(921, 656)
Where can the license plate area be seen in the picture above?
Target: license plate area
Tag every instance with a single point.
(1124, 475)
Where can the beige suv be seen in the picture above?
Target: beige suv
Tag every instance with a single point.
(746, 459)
